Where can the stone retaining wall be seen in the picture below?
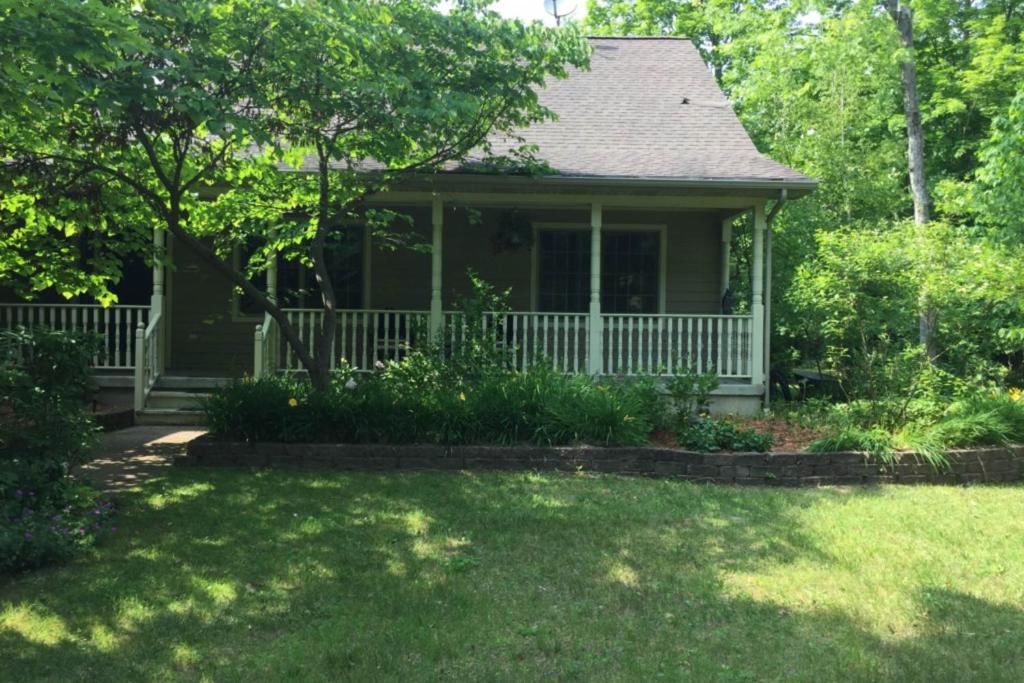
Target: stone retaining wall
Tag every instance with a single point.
(980, 465)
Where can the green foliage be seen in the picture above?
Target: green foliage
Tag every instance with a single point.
(44, 432)
(858, 301)
(873, 441)
(49, 524)
(146, 107)
(978, 418)
(707, 434)
(422, 399)
(690, 391)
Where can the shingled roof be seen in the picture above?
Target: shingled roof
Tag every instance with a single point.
(648, 108)
(647, 111)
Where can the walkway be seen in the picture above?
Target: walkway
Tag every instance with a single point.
(129, 457)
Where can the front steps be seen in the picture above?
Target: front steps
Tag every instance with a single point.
(177, 400)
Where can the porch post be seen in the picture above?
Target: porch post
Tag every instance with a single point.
(757, 297)
(436, 314)
(726, 256)
(595, 352)
(156, 299)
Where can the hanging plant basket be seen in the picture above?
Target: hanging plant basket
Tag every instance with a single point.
(515, 231)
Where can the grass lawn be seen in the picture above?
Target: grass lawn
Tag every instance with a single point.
(239, 576)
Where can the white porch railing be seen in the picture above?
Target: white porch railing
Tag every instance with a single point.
(362, 337)
(631, 344)
(149, 358)
(267, 348)
(529, 338)
(116, 324)
(665, 343)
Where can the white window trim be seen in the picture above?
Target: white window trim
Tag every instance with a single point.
(659, 228)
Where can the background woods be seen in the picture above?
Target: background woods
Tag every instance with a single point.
(820, 86)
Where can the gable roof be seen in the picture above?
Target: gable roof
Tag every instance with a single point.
(648, 108)
(647, 112)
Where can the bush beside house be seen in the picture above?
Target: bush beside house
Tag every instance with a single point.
(47, 514)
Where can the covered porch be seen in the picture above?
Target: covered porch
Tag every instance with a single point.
(685, 323)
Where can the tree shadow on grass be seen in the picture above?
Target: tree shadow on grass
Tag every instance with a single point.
(275, 575)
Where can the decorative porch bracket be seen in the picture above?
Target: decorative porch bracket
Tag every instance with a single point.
(595, 352)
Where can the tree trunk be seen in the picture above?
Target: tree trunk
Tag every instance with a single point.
(903, 17)
(321, 374)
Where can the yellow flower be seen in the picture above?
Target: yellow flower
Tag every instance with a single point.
(462, 395)
(293, 402)
(1016, 393)
(628, 418)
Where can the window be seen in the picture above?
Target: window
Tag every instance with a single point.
(630, 267)
(296, 283)
(630, 263)
(564, 270)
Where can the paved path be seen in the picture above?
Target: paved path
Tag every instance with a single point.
(131, 456)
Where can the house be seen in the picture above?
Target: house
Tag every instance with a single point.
(618, 262)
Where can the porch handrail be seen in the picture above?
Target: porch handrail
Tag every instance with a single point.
(116, 324)
(147, 358)
(266, 348)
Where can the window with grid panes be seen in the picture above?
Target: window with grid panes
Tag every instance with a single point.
(630, 264)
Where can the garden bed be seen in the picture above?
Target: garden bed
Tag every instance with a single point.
(979, 465)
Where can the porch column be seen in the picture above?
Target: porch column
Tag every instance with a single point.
(156, 299)
(757, 298)
(726, 256)
(436, 314)
(595, 352)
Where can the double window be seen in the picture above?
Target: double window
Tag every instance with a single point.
(296, 283)
(630, 271)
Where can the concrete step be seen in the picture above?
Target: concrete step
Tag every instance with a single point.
(165, 416)
(189, 383)
(160, 399)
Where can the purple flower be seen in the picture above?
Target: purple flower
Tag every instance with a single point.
(113, 529)
(28, 536)
(18, 494)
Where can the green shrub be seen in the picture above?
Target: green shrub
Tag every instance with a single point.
(690, 391)
(707, 434)
(44, 432)
(422, 399)
(49, 524)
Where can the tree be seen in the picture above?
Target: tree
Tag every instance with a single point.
(194, 107)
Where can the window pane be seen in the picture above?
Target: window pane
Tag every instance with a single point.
(629, 271)
(564, 270)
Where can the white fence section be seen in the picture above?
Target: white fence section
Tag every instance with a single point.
(667, 343)
(116, 324)
(362, 337)
(528, 338)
